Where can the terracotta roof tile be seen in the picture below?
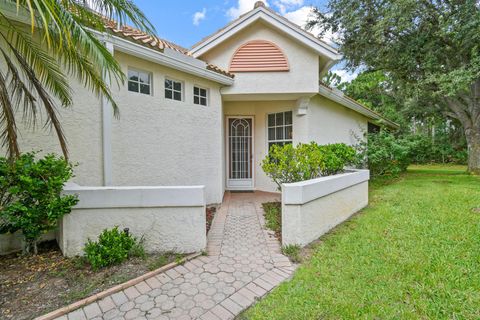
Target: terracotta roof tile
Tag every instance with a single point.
(154, 42)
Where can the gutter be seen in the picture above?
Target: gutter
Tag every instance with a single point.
(339, 97)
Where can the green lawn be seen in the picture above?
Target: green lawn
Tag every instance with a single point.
(414, 253)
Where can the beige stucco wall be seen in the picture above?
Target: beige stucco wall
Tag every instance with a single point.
(180, 229)
(330, 122)
(334, 200)
(164, 142)
(154, 142)
(82, 126)
(304, 64)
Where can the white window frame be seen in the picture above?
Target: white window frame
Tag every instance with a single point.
(150, 81)
(182, 89)
(207, 95)
(283, 126)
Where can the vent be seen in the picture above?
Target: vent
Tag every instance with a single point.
(258, 55)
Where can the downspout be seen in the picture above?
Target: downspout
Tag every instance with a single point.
(107, 127)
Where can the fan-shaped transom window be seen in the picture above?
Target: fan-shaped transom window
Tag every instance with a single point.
(258, 55)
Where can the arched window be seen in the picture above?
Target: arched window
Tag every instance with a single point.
(258, 55)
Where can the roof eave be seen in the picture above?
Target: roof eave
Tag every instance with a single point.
(167, 58)
(355, 106)
(264, 14)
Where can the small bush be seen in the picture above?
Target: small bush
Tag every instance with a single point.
(293, 252)
(385, 154)
(113, 247)
(273, 216)
(286, 164)
(30, 195)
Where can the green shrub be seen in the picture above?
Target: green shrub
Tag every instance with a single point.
(293, 251)
(272, 212)
(385, 154)
(30, 195)
(286, 164)
(113, 247)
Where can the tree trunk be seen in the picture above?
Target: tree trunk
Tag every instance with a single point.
(473, 141)
(467, 111)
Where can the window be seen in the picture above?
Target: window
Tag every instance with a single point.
(280, 128)
(173, 90)
(200, 96)
(139, 81)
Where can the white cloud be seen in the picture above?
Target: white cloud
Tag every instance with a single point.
(301, 16)
(293, 10)
(285, 5)
(199, 16)
(346, 75)
(242, 7)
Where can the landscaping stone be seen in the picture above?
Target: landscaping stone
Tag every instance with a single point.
(244, 263)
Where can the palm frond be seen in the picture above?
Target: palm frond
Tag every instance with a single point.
(8, 126)
(48, 104)
(20, 93)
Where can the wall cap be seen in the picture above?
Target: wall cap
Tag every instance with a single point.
(306, 191)
(137, 196)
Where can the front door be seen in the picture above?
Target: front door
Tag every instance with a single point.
(240, 153)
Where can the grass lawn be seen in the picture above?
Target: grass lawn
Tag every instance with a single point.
(414, 253)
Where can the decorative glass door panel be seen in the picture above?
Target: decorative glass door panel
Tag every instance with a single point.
(240, 153)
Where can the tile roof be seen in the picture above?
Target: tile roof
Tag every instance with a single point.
(154, 42)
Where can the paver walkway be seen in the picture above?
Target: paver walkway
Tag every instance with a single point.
(244, 262)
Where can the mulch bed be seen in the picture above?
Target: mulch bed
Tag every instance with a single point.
(210, 214)
(34, 285)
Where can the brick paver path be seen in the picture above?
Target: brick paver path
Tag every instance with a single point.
(244, 262)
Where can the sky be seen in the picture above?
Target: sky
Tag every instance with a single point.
(185, 22)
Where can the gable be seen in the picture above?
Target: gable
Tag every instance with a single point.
(275, 21)
(296, 68)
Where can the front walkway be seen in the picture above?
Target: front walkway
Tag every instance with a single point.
(244, 262)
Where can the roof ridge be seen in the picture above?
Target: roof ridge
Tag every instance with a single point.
(259, 8)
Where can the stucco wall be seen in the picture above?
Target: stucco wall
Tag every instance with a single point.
(154, 142)
(330, 122)
(14, 242)
(82, 126)
(168, 218)
(164, 142)
(304, 64)
(312, 208)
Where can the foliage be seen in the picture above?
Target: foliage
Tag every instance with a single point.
(383, 153)
(286, 164)
(40, 58)
(272, 211)
(401, 258)
(30, 195)
(293, 252)
(113, 247)
(429, 49)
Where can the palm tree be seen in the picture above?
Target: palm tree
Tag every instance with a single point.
(42, 44)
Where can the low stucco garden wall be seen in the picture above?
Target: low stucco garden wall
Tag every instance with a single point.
(311, 208)
(168, 218)
(13, 242)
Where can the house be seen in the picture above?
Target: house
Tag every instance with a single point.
(207, 115)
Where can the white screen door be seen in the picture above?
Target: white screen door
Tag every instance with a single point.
(240, 153)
